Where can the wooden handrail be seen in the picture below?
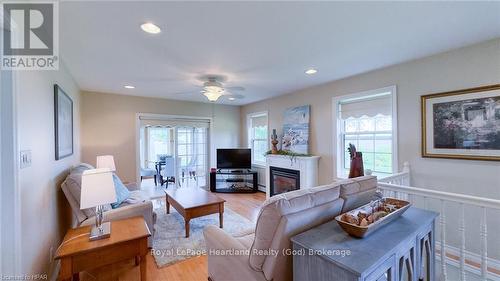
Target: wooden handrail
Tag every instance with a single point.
(448, 196)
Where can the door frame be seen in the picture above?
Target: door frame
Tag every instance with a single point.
(211, 154)
(10, 202)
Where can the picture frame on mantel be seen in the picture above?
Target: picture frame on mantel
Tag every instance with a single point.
(63, 123)
(462, 124)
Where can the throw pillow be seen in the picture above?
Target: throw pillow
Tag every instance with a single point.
(122, 193)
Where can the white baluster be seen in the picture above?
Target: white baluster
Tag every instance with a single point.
(484, 246)
(461, 229)
(425, 203)
(442, 223)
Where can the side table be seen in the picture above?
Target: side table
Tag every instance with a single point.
(129, 239)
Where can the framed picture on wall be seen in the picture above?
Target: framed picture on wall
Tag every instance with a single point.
(463, 124)
(63, 123)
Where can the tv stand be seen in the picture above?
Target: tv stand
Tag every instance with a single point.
(236, 181)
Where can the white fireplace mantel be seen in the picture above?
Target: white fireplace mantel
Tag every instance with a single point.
(306, 165)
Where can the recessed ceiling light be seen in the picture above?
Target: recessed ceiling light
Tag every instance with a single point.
(129, 87)
(311, 71)
(231, 99)
(150, 28)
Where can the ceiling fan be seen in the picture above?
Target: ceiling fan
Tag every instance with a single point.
(213, 88)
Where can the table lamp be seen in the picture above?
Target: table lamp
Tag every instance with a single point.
(98, 189)
(106, 161)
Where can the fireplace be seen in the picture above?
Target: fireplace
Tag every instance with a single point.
(283, 180)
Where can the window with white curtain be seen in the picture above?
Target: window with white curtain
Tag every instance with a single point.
(368, 121)
(258, 137)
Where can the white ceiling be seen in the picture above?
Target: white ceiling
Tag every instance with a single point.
(264, 47)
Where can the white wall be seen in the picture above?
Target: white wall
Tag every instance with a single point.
(468, 67)
(109, 125)
(45, 215)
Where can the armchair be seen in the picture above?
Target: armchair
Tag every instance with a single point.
(138, 204)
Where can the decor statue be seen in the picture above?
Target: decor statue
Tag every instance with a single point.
(274, 142)
(356, 169)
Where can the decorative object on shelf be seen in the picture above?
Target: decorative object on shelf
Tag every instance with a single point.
(463, 124)
(274, 142)
(296, 129)
(63, 123)
(356, 169)
(98, 190)
(366, 219)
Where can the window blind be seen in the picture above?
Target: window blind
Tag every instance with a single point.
(259, 121)
(369, 106)
(173, 122)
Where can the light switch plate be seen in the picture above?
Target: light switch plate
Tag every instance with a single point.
(25, 159)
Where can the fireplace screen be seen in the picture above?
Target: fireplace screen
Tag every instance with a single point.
(284, 180)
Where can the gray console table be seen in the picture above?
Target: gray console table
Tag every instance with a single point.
(404, 246)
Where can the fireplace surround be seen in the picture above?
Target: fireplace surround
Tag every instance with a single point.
(307, 166)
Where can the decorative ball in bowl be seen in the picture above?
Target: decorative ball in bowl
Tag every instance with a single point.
(366, 219)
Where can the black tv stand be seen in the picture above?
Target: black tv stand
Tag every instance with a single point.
(240, 184)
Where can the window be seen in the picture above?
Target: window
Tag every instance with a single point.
(159, 143)
(257, 137)
(368, 121)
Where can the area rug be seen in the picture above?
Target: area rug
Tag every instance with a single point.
(169, 242)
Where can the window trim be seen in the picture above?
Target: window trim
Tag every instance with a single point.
(250, 138)
(337, 125)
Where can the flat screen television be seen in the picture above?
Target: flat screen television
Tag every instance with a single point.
(234, 158)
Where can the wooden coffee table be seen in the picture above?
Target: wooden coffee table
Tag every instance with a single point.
(193, 203)
(129, 239)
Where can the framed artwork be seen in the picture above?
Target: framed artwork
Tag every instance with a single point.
(463, 124)
(296, 129)
(63, 123)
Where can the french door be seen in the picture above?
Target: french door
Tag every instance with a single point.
(191, 156)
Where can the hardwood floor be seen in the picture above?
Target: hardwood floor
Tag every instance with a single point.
(247, 205)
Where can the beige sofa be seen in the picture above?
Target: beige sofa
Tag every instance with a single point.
(139, 204)
(258, 255)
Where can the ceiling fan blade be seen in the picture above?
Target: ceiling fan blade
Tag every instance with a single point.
(235, 88)
(188, 92)
(234, 97)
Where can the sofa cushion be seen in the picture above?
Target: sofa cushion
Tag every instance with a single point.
(136, 196)
(357, 191)
(274, 208)
(122, 193)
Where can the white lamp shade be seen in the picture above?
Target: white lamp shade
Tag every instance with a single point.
(106, 161)
(97, 188)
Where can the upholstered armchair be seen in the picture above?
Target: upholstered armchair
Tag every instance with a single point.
(138, 204)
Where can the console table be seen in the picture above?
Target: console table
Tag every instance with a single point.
(405, 247)
(234, 177)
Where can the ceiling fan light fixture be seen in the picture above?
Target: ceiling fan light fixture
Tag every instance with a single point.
(212, 96)
(213, 89)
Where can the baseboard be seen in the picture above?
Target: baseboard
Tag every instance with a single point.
(472, 261)
(262, 188)
(54, 270)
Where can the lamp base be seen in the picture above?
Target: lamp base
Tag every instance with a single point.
(97, 234)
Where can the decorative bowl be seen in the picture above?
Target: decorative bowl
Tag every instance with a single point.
(363, 231)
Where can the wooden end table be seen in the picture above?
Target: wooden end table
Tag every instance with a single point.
(129, 239)
(193, 203)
